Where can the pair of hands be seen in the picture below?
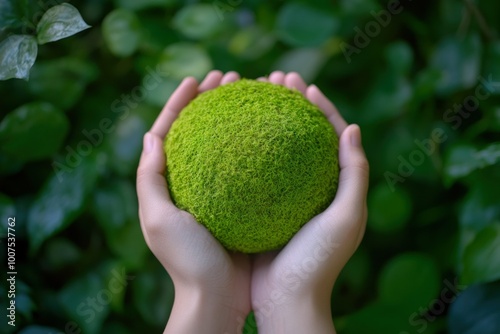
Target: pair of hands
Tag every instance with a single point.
(289, 290)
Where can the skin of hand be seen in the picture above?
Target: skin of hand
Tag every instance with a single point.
(212, 286)
(288, 290)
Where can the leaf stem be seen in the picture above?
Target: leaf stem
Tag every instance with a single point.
(483, 25)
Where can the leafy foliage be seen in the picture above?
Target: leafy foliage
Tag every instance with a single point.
(421, 79)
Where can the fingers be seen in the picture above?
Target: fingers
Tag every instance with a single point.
(354, 174)
(316, 97)
(211, 81)
(294, 81)
(345, 219)
(186, 91)
(277, 78)
(216, 78)
(152, 191)
(230, 77)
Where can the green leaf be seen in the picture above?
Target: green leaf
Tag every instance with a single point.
(250, 324)
(60, 252)
(198, 21)
(462, 160)
(356, 273)
(301, 25)
(122, 32)
(458, 61)
(17, 56)
(476, 310)
(480, 207)
(449, 16)
(62, 81)
(61, 200)
(24, 302)
(389, 96)
(59, 22)
(9, 165)
(181, 60)
(488, 156)
(358, 7)
(126, 144)
(144, 4)
(115, 207)
(134, 254)
(15, 15)
(86, 301)
(389, 210)
(491, 65)
(481, 258)
(376, 318)
(425, 85)
(410, 280)
(399, 56)
(307, 62)
(153, 296)
(159, 95)
(35, 329)
(23, 132)
(117, 327)
(251, 43)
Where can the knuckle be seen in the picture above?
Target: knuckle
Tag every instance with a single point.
(154, 223)
(362, 164)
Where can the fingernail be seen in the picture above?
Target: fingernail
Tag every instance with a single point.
(148, 143)
(356, 136)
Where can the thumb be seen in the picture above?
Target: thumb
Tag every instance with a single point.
(152, 191)
(354, 168)
(350, 200)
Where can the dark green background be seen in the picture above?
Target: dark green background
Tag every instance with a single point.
(434, 212)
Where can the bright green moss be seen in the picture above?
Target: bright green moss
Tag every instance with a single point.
(253, 162)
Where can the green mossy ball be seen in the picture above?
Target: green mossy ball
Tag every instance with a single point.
(253, 162)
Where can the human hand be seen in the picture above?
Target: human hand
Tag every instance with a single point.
(291, 289)
(212, 286)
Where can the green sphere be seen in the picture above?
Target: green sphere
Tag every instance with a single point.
(253, 162)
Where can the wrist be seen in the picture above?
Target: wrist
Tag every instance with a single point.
(198, 310)
(305, 314)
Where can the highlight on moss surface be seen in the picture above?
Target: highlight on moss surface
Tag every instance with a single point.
(253, 162)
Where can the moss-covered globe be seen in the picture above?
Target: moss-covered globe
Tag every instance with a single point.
(253, 162)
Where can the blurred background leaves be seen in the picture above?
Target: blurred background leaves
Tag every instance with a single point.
(424, 84)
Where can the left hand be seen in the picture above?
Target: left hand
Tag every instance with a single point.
(212, 286)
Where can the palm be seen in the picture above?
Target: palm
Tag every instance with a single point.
(188, 251)
(201, 257)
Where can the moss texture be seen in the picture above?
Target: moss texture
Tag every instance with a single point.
(253, 162)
